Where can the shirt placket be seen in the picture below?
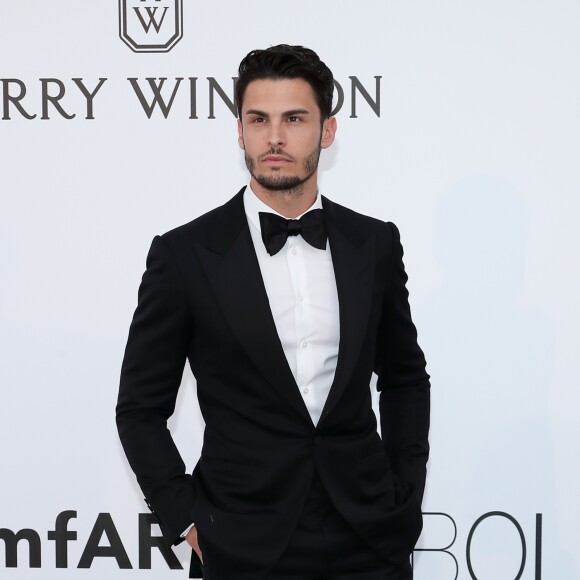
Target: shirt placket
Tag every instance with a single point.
(297, 268)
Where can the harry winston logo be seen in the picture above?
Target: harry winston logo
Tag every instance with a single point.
(151, 25)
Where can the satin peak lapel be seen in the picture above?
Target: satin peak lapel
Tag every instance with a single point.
(353, 259)
(231, 265)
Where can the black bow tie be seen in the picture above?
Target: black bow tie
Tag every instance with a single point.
(276, 229)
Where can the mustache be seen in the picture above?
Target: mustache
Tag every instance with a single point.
(276, 151)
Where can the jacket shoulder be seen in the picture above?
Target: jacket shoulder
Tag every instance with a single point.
(364, 225)
(199, 229)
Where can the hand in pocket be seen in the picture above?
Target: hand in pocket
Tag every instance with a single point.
(191, 539)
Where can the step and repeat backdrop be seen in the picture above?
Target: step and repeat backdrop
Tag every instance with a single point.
(456, 120)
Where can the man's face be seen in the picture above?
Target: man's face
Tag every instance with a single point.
(281, 133)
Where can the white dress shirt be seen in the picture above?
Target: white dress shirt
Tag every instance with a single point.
(301, 289)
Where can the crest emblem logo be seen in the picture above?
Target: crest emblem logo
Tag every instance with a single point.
(151, 25)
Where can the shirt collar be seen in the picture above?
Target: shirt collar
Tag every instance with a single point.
(253, 205)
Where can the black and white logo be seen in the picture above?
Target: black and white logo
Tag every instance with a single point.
(151, 25)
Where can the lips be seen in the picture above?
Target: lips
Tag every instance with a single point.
(276, 159)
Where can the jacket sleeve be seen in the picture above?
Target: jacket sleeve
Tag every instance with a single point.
(150, 378)
(403, 382)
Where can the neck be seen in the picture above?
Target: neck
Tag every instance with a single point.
(290, 203)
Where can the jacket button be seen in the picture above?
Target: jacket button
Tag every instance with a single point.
(317, 439)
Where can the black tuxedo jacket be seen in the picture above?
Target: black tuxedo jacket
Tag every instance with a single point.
(202, 298)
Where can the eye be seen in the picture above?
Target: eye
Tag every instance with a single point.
(258, 120)
(294, 119)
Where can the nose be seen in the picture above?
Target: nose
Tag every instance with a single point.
(276, 135)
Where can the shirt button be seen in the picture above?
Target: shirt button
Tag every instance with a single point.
(294, 252)
(304, 344)
(300, 298)
(305, 390)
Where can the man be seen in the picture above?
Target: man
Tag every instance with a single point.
(284, 303)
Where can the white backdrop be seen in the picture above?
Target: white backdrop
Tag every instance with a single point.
(474, 156)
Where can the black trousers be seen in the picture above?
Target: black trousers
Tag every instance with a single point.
(325, 547)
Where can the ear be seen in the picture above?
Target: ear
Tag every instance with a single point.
(328, 132)
(241, 135)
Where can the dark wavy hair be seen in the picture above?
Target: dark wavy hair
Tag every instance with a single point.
(287, 62)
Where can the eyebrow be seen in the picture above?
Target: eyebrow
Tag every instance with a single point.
(285, 114)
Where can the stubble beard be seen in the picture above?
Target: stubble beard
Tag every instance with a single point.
(285, 184)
